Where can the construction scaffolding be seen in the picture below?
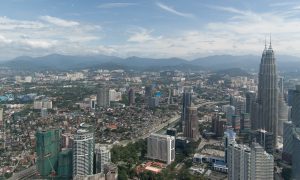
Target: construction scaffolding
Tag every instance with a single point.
(65, 164)
(47, 149)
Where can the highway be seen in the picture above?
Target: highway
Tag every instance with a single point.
(153, 130)
(210, 103)
(170, 121)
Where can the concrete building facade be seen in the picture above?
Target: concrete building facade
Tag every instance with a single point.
(161, 147)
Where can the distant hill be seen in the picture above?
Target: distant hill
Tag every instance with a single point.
(58, 62)
(228, 61)
(232, 72)
(218, 62)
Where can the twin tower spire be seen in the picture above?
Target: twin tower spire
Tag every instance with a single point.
(270, 43)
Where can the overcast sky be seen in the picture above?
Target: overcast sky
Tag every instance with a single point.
(146, 28)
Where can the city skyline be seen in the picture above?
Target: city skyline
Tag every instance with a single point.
(157, 29)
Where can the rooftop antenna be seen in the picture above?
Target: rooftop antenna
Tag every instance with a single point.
(265, 42)
(270, 41)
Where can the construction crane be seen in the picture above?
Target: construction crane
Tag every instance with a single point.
(53, 172)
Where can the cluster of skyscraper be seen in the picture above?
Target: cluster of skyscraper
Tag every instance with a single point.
(271, 118)
(189, 117)
(268, 112)
(246, 162)
(81, 159)
(162, 147)
(291, 135)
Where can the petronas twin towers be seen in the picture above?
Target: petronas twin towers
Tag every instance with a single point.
(265, 108)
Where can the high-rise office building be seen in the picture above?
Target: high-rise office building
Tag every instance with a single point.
(161, 147)
(245, 123)
(218, 125)
(191, 128)
(131, 97)
(283, 113)
(47, 150)
(249, 163)
(186, 102)
(290, 96)
(264, 138)
(83, 152)
(267, 96)
(296, 154)
(250, 98)
(103, 96)
(238, 161)
(281, 85)
(148, 94)
(287, 149)
(239, 103)
(102, 153)
(295, 112)
(229, 138)
(291, 131)
(261, 163)
(236, 122)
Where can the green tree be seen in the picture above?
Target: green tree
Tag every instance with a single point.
(122, 175)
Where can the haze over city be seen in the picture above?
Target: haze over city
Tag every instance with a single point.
(157, 29)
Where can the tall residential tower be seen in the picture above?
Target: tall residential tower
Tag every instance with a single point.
(83, 152)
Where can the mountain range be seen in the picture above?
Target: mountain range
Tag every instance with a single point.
(218, 62)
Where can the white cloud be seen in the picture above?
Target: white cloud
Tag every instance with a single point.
(41, 37)
(173, 11)
(143, 35)
(11, 24)
(38, 43)
(280, 4)
(114, 5)
(243, 32)
(59, 22)
(106, 50)
(4, 40)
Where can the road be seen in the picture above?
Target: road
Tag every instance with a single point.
(153, 130)
(210, 103)
(176, 118)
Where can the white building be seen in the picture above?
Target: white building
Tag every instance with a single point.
(83, 152)
(238, 159)
(249, 163)
(37, 105)
(74, 76)
(161, 147)
(261, 163)
(114, 95)
(103, 157)
(44, 103)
